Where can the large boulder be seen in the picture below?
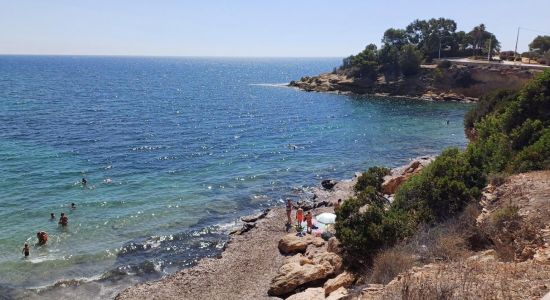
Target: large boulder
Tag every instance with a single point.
(309, 294)
(345, 279)
(291, 243)
(299, 271)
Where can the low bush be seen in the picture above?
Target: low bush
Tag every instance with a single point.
(463, 78)
(389, 263)
(374, 177)
(442, 189)
(512, 234)
(497, 179)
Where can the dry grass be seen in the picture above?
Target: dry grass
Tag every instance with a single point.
(471, 280)
(515, 237)
(446, 242)
(387, 264)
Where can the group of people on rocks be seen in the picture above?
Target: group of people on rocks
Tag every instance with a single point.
(43, 235)
(300, 216)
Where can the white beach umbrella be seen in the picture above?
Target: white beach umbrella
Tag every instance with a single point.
(326, 218)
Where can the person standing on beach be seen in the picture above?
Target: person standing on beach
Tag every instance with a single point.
(63, 221)
(288, 212)
(26, 250)
(309, 221)
(300, 216)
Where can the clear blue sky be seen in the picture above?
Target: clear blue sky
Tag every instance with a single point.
(243, 27)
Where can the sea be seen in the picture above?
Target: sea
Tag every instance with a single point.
(174, 150)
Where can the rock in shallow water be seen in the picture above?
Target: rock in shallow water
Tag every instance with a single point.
(328, 184)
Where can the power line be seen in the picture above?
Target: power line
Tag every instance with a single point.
(534, 30)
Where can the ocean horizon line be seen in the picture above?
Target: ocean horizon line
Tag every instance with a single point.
(170, 56)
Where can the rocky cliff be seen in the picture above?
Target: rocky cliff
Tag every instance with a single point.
(457, 83)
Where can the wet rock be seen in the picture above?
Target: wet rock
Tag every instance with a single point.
(291, 243)
(245, 228)
(256, 217)
(328, 184)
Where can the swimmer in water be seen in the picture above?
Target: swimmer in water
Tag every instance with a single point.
(73, 206)
(84, 182)
(42, 237)
(26, 250)
(52, 216)
(63, 221)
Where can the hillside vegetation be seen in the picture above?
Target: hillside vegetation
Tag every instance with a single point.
(511, 134)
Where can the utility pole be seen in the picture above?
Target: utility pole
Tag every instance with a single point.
(489, 52)
(440, 46)
(516, 50)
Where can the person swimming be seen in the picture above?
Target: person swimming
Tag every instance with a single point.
(42, 237)
(52, 216)
(73, 206)
(63, 221)
(84, 181)
(26, 250)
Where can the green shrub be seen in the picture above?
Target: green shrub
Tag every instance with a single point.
(533, 157)
(512, 129)
(442, 189)
(463, 78)
(487, 104)
(364, 233)
(373, 177)
(409, 60)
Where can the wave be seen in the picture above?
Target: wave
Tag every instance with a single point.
(270, 84)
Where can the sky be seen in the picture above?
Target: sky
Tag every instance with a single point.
(244, 28)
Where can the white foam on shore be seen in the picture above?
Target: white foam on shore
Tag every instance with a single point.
(270, 84)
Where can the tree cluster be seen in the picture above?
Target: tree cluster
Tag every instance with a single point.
(539, 50)
(403, 50)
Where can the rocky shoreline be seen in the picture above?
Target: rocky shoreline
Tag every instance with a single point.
(262, 261)
(459, 82)
(341, 84)
(248, 263)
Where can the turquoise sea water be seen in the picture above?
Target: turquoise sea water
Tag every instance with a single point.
(174, 151)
